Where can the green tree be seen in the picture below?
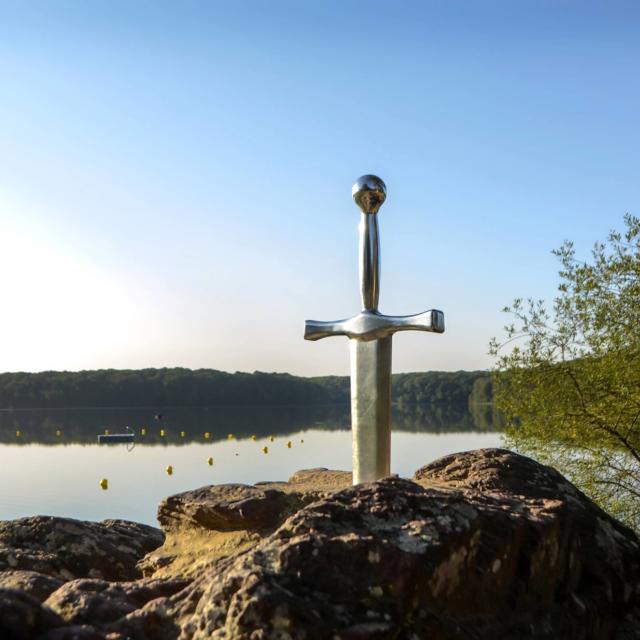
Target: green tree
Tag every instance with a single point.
(567, 378)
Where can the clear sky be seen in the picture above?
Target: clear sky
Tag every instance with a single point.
(175, 177)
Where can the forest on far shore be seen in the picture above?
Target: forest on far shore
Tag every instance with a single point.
(181, 387)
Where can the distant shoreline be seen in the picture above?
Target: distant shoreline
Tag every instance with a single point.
(169, 407)
(179, 387)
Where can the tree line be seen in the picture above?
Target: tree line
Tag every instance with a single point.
(182, 387)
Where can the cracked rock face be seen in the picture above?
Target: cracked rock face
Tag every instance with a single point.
(479, 545)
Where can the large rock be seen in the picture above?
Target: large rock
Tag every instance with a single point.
(233, 507)
(227, 507)
(489, 545)
(209, 523)
(66, 549)
(500, 471)
(479, 545)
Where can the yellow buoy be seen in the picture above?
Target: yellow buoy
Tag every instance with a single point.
(182, 434)
(289, 444)
(271, 438)
(169, 470)
(58, 433)
(104, 484)
(18, 434)
(162, 433)
(106, 432)
(265, 449)
(254, 437)
(210, 461)
(143, 432)
(207, 435)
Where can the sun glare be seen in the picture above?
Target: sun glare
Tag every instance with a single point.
(58, 307)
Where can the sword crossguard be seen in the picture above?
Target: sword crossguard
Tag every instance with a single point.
(369, 193)
(371, 325)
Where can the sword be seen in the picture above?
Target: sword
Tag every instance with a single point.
(370, 334)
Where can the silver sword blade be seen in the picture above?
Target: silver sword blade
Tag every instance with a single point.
(371, 408)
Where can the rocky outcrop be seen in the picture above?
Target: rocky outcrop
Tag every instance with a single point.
(66, 549)
(209, 523)
(227, 507)
(233, 507)
(479, 545)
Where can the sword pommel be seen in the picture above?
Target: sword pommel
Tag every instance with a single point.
(369, 192)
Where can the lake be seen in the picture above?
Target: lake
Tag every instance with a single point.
(54, 466)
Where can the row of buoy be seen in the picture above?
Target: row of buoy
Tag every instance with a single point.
(58, 433)
(163, 434)
(143, 432)
(104, 482)
(206, 435)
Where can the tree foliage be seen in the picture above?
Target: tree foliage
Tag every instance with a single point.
(567, 378)
(181, 387)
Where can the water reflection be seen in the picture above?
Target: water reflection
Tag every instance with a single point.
(36, 477)
(182, 425)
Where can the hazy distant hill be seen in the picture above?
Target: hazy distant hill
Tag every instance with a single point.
(208, 387)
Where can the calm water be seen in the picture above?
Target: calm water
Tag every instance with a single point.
(45, 473)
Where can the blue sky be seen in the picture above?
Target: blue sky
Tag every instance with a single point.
(175, 176)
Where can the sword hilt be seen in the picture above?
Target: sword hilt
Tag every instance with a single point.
(369, 192)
